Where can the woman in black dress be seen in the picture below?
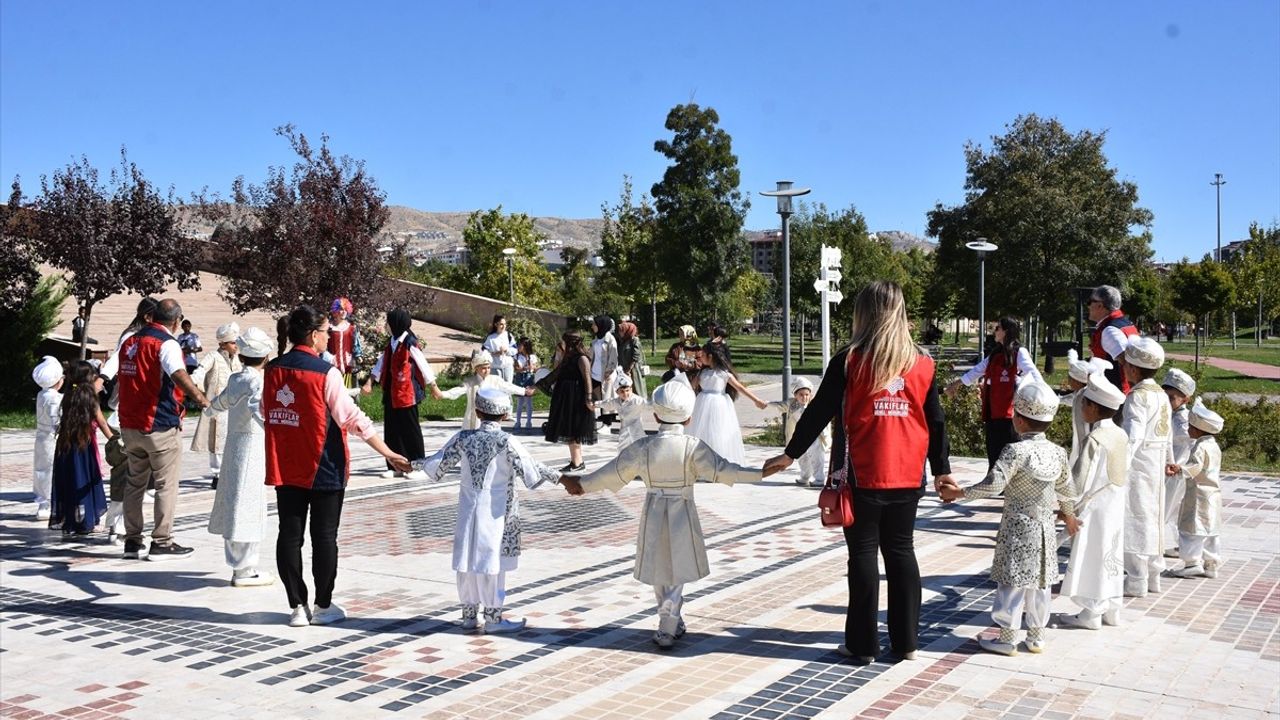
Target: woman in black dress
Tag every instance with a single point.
(573, 414)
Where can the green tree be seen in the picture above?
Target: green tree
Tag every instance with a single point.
(1256, 269)
(632, 268)
(19, 270)
(486, 235)
(1057, 211)
(110, 239)
(1145, 296)
(1199, 289)
(25, 326)
(700, 213)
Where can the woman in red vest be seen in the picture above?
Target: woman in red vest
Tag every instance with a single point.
(307, 414)
(999, 373)
(881, 390)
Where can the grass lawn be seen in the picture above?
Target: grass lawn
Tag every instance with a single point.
(18, 419)
(1268, 354)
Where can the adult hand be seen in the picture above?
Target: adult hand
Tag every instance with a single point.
(776, 464)
(571, 484)
(944, 480)
(399, 462)
(950, 493)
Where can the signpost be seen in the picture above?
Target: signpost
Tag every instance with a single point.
(828, 285)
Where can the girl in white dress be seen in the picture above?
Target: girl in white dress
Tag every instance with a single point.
(714, 421)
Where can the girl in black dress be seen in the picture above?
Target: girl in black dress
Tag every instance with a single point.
(573, 414)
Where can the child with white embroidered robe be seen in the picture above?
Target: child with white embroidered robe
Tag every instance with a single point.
(1200, 520)
(630, 408)
(1148, 423)
(48, 375)
(813, 464)
(480, 378)
(1178, 387)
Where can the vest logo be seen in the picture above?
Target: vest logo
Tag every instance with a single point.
(283, 415)
(285, 396)
(1004, 376)
(132, 351)
(891, 405)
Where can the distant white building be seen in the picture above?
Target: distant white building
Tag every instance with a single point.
(450, 255)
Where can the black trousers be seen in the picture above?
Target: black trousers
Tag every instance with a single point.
(403, 433)
(325, 507)
(999, 433)
(886, 527)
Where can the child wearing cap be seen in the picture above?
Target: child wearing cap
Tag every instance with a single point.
(1200, 520)
(1095, 572)
(239, 512)
(481, 377)
(669, 550)
(1078, 372)
(486, 543)
(1179, 387)
(211, 376)
(813, 464)
(628, 406)
(48, 375)
(1036, 482)
(1147, 421)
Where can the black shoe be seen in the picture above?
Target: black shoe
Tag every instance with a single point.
(166, 552)
(574, 468)
(132, 548)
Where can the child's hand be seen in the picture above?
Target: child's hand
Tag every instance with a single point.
(950, 492)
(529, 391)
(1171, 469)
(1073, 524)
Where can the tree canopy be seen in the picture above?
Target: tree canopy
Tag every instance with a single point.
(700, 214)
(1058, 212)
(486, 235)
(633, 270)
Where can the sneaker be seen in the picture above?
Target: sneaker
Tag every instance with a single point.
(300, 617)
(815, 482)
(680, 629)
(387, 474)
(1035, 646)
(1193, 570)
(802, 482)
(504, 626)
(1000, 648)
(574, 468)
(1211, 569)
(1111, 618)
(470, 623)
(857, 659)
(257, 579)
(663, 640)
(151, 494)
(1171, 553)
(1082, 620)
(326, 616)
(167, 552)
(416, 475)
(132, 549)
(43, 511)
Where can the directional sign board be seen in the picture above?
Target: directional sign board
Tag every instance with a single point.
(834, 296)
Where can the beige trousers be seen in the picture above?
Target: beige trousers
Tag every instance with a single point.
(152, 455)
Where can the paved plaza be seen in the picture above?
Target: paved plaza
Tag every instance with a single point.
(85, 634)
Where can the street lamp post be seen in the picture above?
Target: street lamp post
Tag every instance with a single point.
(1218, 182)
(511, 272)
(784, 193)
(982, 247)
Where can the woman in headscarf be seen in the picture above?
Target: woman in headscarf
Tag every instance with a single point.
(604, 360)
(631, 357)
(405, 375)
(211, 376)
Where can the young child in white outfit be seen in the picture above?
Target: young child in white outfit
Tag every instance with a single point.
(813, 464)
(1200, 519)
(48, 375)
(481, 377)
(630, 408)
(1179, 387)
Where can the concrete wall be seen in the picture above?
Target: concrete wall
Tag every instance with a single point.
(472, 313)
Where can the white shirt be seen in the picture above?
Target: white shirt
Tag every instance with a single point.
(1113, 339)
(1025, 368)
(501, 347)
(415, 353)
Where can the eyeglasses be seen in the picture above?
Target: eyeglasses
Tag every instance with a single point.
(1095, 301)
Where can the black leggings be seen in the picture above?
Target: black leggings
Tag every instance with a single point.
(889, 529)
(292, 504)
(403, 433)
(999, 433)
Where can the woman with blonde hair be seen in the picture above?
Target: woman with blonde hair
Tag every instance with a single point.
(881, 391)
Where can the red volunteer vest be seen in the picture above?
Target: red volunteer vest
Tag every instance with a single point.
(342, 346)
(1117, 320)
(402, 382)
(885, 429)
(304, 447)
(998, 383)
(149, 399)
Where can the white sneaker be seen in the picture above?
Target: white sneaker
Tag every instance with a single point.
(258, 579)
(300, 617)
(505, 626)
(815, 482)
(1210, 569)
(326, 616)
(388, 474)
(1193, 570)
(1000, 648)
(1171, 553)
(1112, 618)
(43, 511)
(416, 475)
(802, 482)
(664, 640)
(1081, 620)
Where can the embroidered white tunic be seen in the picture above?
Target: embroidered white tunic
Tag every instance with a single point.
(670, 548)
(1202, 502)
(240, 504)
(471, 384)
(632, 413)
(1147, 422)
(1033, 475)
(486, 538)
(1095, 572)
(48, 415)
(212, 376)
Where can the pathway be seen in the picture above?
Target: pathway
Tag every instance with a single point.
(1252, 369)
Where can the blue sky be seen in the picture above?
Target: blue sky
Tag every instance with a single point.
(542, 107)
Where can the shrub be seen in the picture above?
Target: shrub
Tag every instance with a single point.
(1250, 432)
(24, 328)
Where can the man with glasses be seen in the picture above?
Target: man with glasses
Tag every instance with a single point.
(1111, 333)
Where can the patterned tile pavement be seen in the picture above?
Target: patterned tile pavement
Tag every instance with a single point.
(85, 634)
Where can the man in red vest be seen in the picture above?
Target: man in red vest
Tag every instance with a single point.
(153, 381)
(1112, 332)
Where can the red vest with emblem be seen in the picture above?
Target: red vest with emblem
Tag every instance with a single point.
(402, 382)
(342, 346)
(998, 384)
(304, 447)
(886, 432)
(149, 399)
(1116, 320)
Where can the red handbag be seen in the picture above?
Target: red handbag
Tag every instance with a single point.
(835, 502)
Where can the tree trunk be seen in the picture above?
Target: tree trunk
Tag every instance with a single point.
(1233, 329)
(84, 333)
(653, 346)
(956, 337)
(1257, 330)
(1197, 333)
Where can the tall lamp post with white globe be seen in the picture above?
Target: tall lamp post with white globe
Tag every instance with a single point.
(982, 247)
(510, 253)
(784, 193)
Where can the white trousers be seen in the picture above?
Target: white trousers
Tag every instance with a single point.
(482, 589)
(1012, 603)
(670, 602)
(813, 463)
(1173, 489)
(242, 557)
(1194, 549)
(1142, 573)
